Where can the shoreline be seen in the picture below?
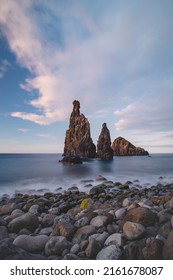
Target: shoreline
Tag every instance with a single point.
(109, 222)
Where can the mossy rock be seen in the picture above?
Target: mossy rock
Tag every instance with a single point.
(123, 186)
(86, 203)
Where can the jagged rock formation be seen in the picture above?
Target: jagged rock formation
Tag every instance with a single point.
(122, 147)
(78, 142)
(104, 150)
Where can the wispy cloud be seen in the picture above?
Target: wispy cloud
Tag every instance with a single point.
(4, 66)
(23, 129)
(92, 52)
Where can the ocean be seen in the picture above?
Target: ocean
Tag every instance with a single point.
(38, 173)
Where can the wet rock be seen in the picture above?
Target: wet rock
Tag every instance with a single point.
(133, 230)
(32, 244)
(97, 190)
(111, 252)
(71, 160)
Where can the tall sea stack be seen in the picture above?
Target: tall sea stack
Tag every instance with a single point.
(104, 150)
(78, 141)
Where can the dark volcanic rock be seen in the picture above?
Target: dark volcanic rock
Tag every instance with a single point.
(122, 147)
(78, 141)
(104, 150)
(71, 160)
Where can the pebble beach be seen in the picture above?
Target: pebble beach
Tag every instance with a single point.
(111, 221)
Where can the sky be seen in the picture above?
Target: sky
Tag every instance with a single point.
(115, 57)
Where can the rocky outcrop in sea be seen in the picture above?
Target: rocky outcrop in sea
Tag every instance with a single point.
(112, 221)
(78, 141)
(104, 150)
(122, 147)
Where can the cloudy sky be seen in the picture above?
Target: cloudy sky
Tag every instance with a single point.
(115, 57)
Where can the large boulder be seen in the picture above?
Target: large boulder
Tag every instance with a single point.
(27, 220)
(104, 150)
(78, 141)
(122, 147)
(141, 215)
(32, 244)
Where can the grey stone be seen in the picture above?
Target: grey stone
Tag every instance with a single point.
(83, 233)
(32, 244)
(56, 245)
(75, 249)
(9, 251)
(82, 222)
(27, 220)
(120, 213)
(45, 231)
(8, 208)
(112, 252)
(99, 221)
(116, 238)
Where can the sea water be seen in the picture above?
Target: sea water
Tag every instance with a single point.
(39, 173)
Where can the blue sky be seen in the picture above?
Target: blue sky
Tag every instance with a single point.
(115, 57)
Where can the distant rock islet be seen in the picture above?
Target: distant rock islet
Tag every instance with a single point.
(79, 144)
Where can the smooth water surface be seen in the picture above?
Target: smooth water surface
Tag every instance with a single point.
(24, 172)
